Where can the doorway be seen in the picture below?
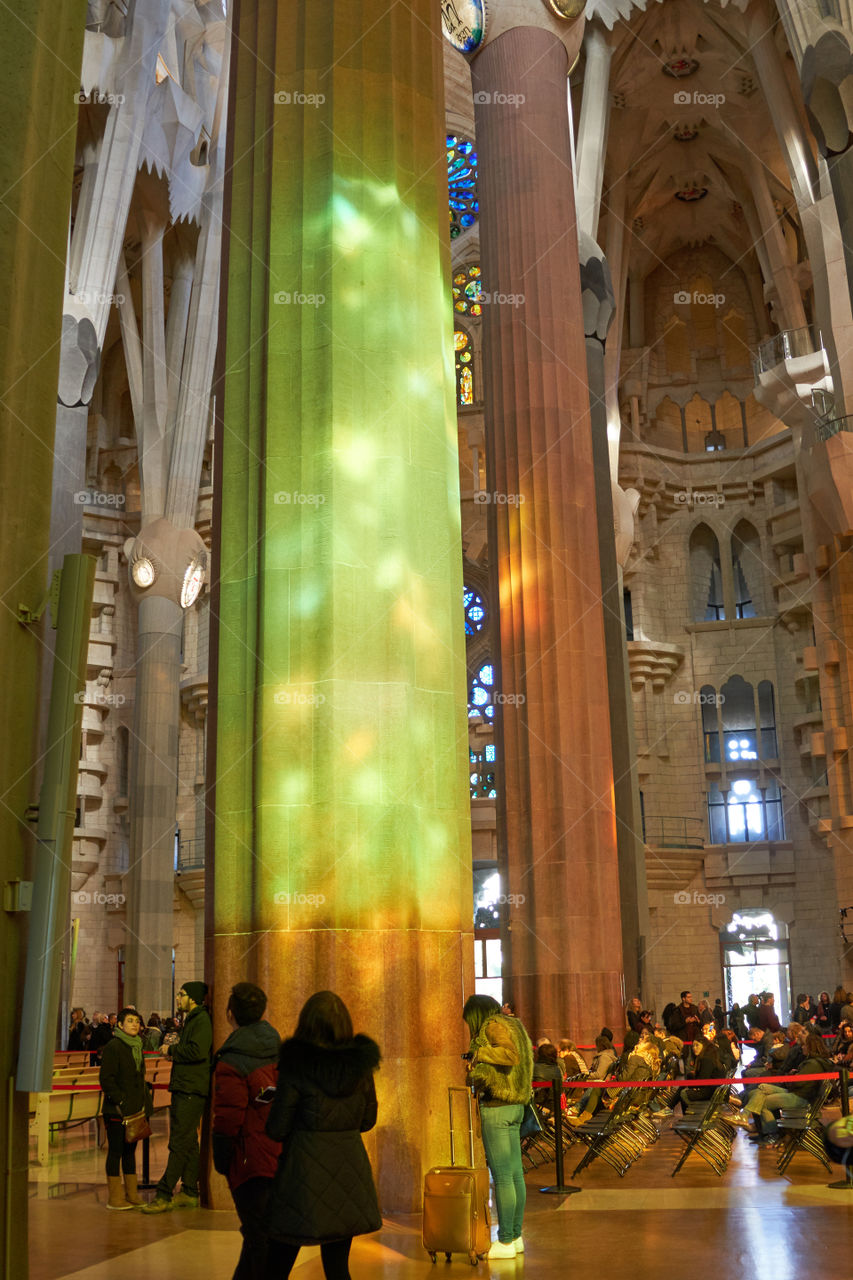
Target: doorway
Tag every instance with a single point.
(755, 958)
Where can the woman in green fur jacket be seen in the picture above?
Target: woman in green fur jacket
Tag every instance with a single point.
(501, 1071)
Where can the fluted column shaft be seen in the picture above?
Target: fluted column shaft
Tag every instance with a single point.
(556, 826)
(338, 730)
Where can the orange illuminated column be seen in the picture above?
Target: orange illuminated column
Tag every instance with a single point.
(557, 830)
(340, 846)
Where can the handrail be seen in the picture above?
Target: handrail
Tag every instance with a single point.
(829, 427)
(786, 345)
(670, 831)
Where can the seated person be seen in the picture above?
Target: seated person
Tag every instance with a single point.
(572, 1060)
(601, 1068)
(707, 1065)
(729, 1050)
(767, 1099)
(546, 1067)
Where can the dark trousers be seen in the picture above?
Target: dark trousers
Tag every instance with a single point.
(121, 1155)
(184, 1116)
(250, 1201)
(335, 1258)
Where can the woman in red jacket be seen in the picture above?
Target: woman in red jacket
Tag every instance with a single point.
(244, 1080)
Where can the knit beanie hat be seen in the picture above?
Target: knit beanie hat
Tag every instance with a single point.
(195, 990)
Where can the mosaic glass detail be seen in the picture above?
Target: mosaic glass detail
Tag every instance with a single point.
(462, 184)
(475, 613)
(464, 374)
(467, 288)
(481, 693)
(464, 23)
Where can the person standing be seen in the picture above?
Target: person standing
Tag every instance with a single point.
(685, 1021)
(767, 1018)
(323, 1192)
(122, 1078)
(189, 1084)
(501, 1071)
(244, 1079)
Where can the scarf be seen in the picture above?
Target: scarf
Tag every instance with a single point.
(135, 1044)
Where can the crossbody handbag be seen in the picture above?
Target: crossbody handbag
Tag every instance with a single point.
(136, 1126)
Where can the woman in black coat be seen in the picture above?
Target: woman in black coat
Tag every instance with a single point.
(122, 1079)
(323, 1190)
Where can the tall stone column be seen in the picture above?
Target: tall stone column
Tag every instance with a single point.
(593, 127)
(43, 44)
(339, 846)
(557, 827)
(598, 310)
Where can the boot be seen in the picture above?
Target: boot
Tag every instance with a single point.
(131, 1194)
(116, 1197)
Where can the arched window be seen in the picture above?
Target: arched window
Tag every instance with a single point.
(697, 419)
(738, 706)
(710, 729)
(676, 347)
(464, 373)
(748, 813)
(767, 719)
(736, 351)
(746, 569)
(706, 576)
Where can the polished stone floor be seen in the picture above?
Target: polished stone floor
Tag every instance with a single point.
(751, 1222)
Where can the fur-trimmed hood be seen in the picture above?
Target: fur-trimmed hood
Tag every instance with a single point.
(336, 1070)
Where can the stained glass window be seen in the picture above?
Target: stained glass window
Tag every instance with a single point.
(467, 287)
(482, 766)
(464, 374)
(462, 184)
(475, 613)
(480, 696)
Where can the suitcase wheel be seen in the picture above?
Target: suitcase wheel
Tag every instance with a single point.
(432, 1256)
(472, 1258)
(447, 1257)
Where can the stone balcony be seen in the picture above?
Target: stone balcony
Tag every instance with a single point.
(788, 368)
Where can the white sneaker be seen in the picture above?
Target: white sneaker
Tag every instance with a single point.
(519, 1244)
(499, 1250)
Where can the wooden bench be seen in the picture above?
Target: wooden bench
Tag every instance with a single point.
(76, 1097)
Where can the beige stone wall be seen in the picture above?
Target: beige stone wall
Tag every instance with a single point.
(693, 894)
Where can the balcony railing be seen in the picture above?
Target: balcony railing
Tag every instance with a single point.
(674, 832)
(831, 427)
(190, 854)
(786, 346)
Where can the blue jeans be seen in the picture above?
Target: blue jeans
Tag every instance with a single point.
(502, 1141)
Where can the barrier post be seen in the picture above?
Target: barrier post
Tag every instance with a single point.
(562, 1188)
(844, 1078)
(146, 1184)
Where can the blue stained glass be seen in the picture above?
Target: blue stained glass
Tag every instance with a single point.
(462, 181)
(485, 674)
(479, 696)
(490, 753)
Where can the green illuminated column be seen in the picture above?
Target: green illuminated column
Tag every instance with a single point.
(341, 839)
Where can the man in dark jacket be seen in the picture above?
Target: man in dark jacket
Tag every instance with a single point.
(189, 1084)
(767, 1018)
(753, 1010)
(244, 1080)
(685, 1022)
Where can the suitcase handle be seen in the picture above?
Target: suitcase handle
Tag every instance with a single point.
(461, 1088)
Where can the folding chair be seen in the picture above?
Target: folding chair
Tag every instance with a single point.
(707, 1132)
(803, 1131)
(610, 1135)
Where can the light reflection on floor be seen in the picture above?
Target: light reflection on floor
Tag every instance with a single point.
(752, 1220)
